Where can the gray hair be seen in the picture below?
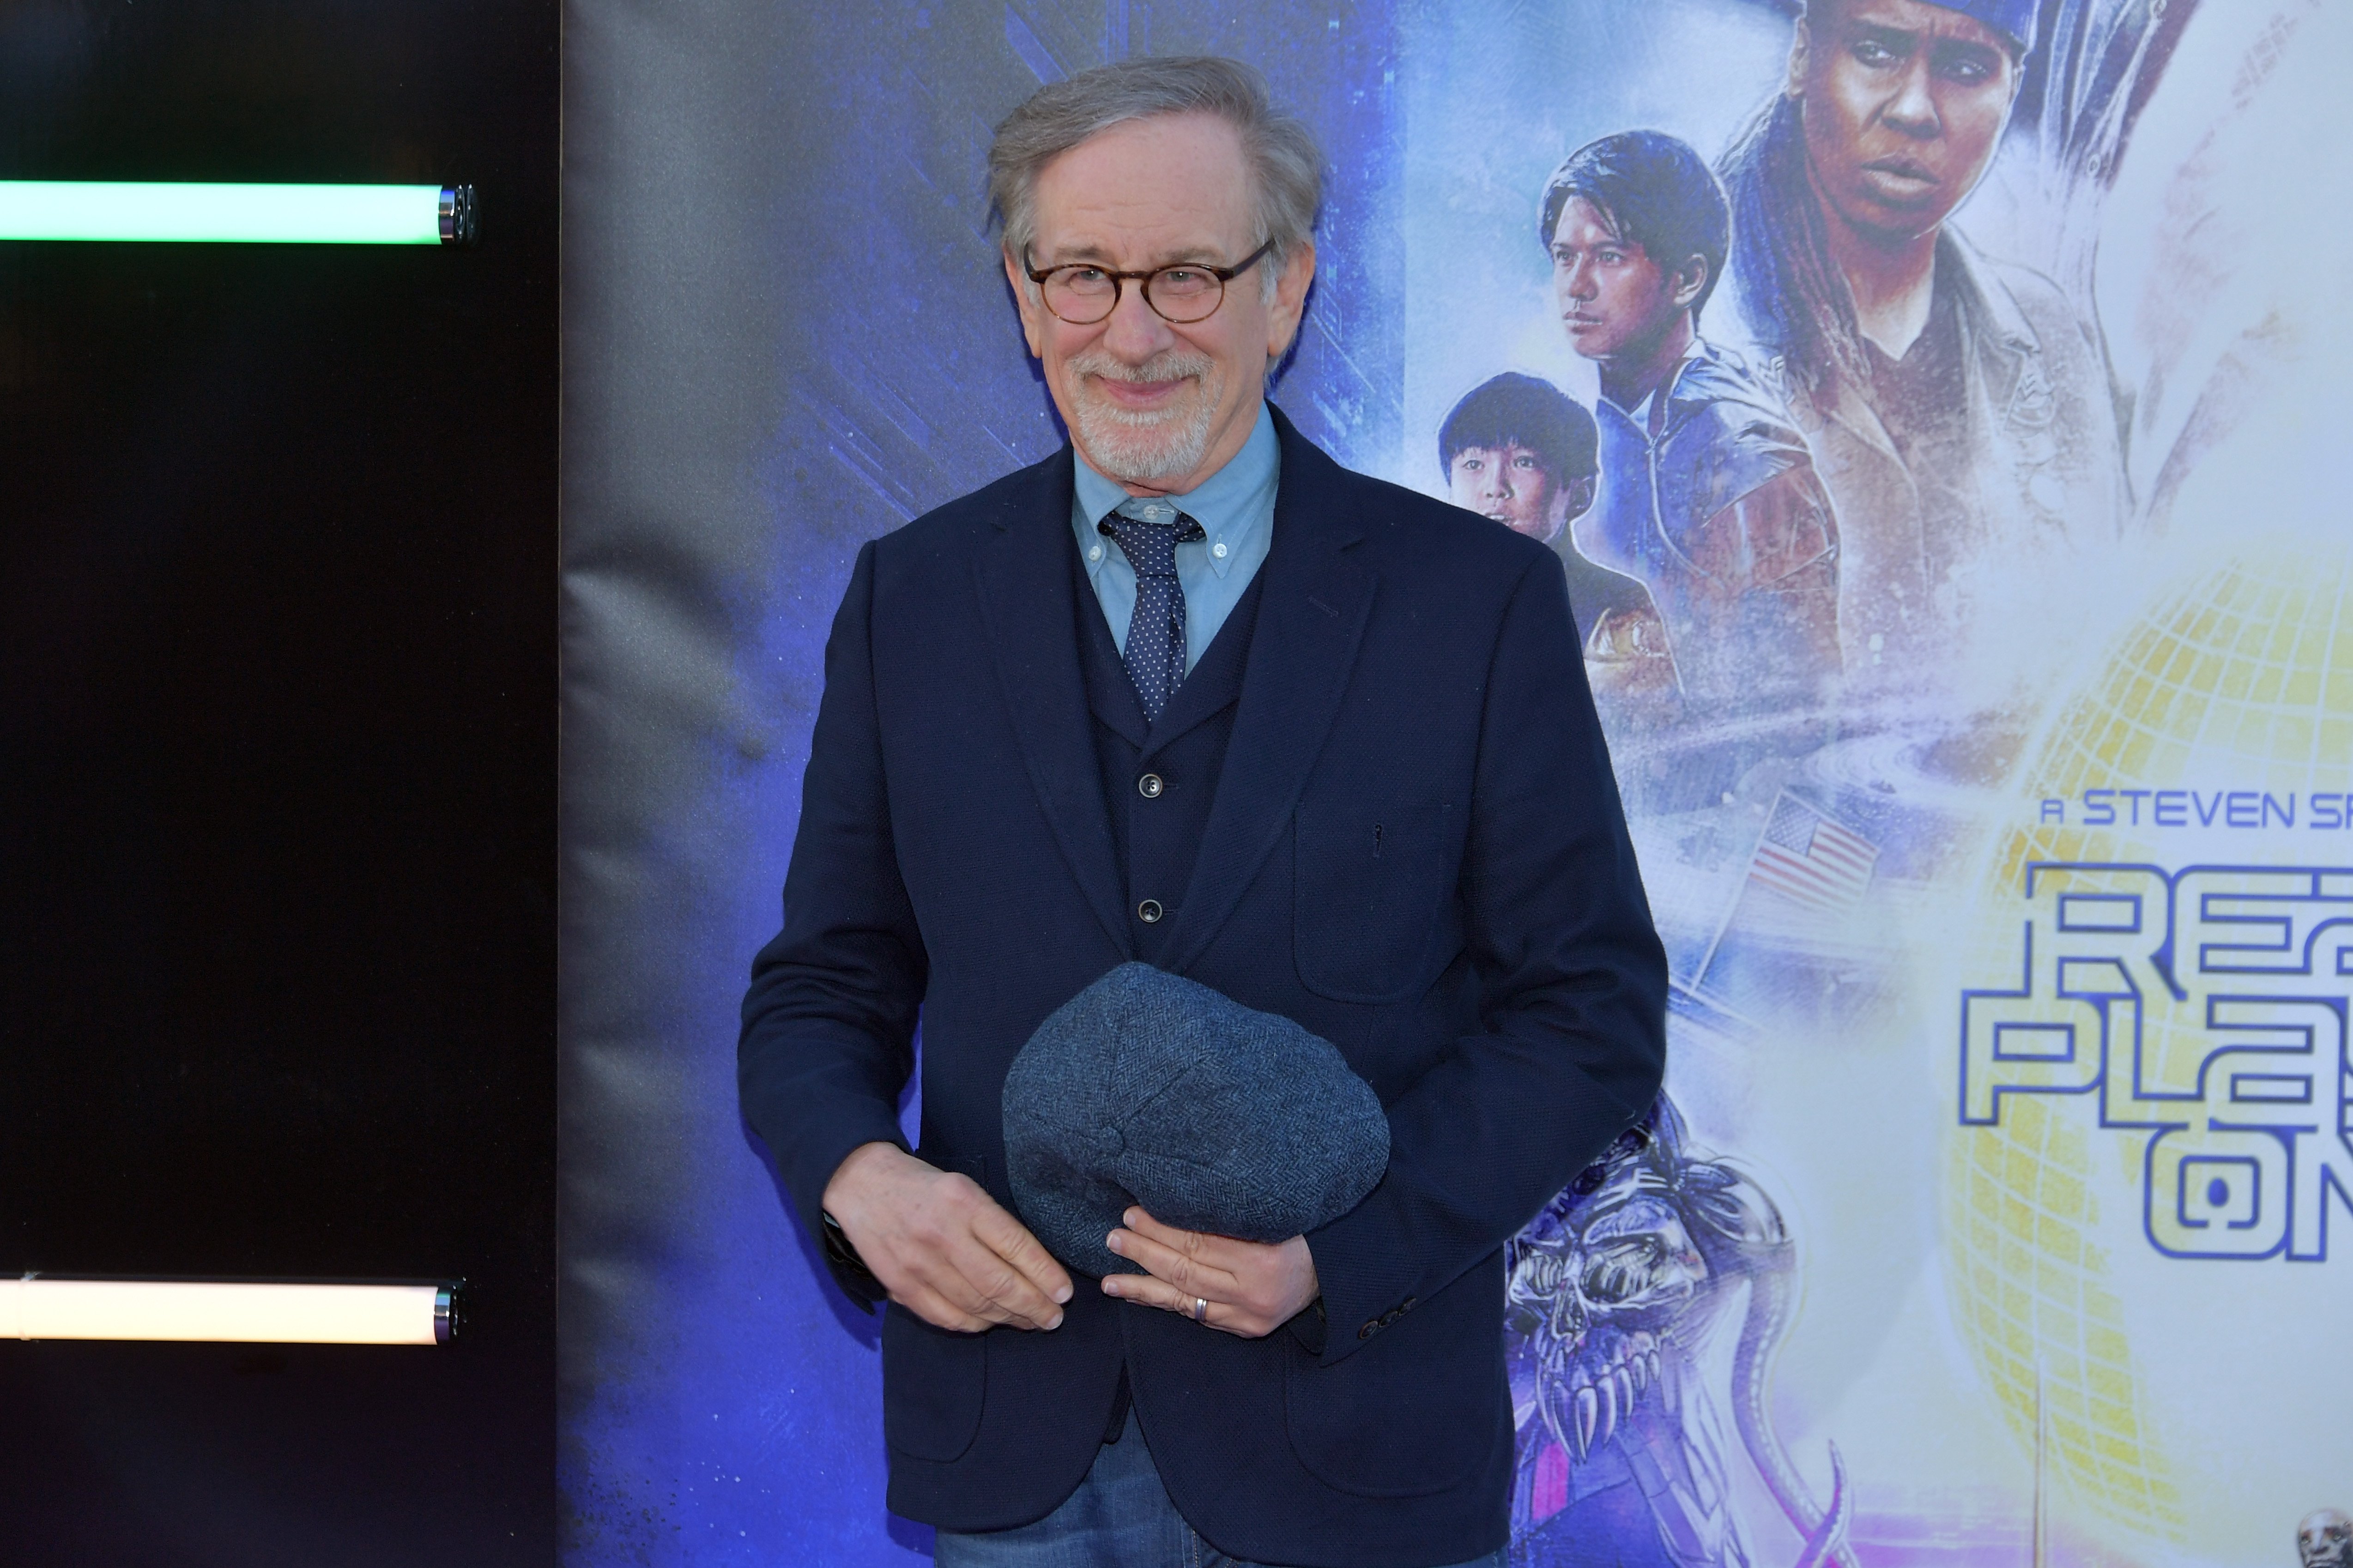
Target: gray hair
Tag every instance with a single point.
(1285, 163)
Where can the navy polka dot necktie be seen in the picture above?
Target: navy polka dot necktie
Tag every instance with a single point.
(1149, 533)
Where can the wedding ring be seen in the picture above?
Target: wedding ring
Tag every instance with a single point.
(1201, 1309)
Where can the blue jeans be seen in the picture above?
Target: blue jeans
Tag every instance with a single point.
(1119, 1518)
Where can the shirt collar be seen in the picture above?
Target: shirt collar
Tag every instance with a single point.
(1232, 505)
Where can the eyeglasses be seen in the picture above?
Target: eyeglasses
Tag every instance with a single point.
(1083, 293)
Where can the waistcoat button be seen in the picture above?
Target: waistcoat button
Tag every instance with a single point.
(1149, 911)
(1149, 786)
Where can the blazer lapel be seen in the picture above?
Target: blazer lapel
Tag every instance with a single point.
(1316, 600)
(1025, 581)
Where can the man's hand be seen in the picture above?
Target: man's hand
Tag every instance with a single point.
(940, 1246)
(1246, 1287)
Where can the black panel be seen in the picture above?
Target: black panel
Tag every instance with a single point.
(277, 781)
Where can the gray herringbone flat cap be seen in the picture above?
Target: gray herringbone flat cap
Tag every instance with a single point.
(1151, 1089)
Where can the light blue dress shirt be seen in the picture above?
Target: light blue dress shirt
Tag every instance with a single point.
(1234, 506)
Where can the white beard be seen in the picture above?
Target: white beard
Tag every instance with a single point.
(1138, 447)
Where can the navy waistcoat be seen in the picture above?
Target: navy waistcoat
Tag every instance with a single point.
(1159, 780)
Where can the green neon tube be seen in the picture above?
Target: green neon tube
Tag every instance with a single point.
(258, 215)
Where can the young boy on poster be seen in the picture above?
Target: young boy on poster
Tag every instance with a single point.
(1709, 496)
(1522, 452)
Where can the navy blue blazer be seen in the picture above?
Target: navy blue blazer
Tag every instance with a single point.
(1415, 850)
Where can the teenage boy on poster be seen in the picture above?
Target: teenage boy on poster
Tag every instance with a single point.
(1189, 692)
(1708, 495)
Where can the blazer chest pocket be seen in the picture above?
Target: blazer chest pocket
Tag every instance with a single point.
(1371, 880)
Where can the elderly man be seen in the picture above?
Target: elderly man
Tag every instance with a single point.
(1959, 408)
(1189, 692)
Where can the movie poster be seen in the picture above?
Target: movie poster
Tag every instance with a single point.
(1997, 826)
(1971, 613)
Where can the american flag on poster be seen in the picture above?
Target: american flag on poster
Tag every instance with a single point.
(1806, 856)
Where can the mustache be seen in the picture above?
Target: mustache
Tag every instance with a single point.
(1169, 364)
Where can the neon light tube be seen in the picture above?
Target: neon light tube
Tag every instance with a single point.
(255, 215)
(35, 1308)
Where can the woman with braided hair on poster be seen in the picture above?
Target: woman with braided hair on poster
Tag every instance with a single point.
(1958, 407)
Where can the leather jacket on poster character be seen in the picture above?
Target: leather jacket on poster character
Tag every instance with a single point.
(1709, 498)
(2030, 472)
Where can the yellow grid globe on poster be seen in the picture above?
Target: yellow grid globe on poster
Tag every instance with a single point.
(2248, 675)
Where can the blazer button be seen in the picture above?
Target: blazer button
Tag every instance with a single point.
(1149, 911)
(1149, 786)
(1368, 1331)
